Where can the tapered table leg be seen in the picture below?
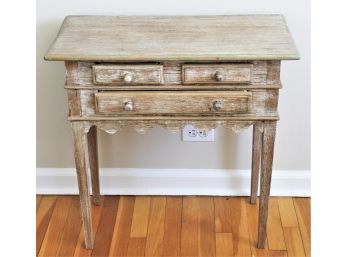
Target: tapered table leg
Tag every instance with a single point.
(269, 131)
(93, 163)
(256, 160)
(80, 144)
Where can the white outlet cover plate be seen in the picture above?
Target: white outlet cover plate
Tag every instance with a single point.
(190, 133)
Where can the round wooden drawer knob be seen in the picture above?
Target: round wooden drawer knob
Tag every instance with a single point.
(128, 106)
(128, 77)
(219, 76)
(218, 105)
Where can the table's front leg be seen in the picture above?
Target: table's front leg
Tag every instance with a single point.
(269, 131)
(256, 160)
(80, 144)
(93, 163)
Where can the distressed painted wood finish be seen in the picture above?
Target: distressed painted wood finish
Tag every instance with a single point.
(263, 103)
(218, 73)
(127, 74)
(256, 159)
(92, 140)
(140, 72)
(169, 38)
(264, 74)
(268, 137)
(80, 144)
(166, 103)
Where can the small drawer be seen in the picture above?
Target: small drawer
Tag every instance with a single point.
(127, 74)
(169, 102)
(218, 73)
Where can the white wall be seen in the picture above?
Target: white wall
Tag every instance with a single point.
(159, 148)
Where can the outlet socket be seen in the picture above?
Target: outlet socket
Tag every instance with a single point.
(190, 133)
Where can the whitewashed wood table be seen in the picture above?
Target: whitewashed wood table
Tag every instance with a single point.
(171, 71)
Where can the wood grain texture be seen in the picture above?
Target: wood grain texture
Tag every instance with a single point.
(173, 71)
(241, 241)
(43, 217)
(172, 227)
(252, 211)
(55, 228)
(92, 140)
(81, 162)
(188, 102)
(218, 73)
(140, 216)
(223, 223)
(240, 229)
(294, 244)
(189, 230)
(303, 214)
(206, 226)
(127, 74)
(80, 250)
(155, 232)
(104, 234)
(287, 212)
(121, 233)
(256, 160)
(275, 234)
(111, 38)
(136, 247)
(291, 229)
(38, 200)
(224, 245)
(262, 75)
(268, 138)
(71, 231)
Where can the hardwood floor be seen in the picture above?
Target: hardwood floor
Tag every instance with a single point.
(173, 226)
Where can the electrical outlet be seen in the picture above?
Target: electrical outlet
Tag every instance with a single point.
(190, 133)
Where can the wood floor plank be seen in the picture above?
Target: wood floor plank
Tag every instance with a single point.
(38, 200)
(252, 211)
(222, 214)
(240, 229)
(102, 241)
(189, 229)
(278, 253)
(72, 230)
(172, 226)
(136, 247)
(275, 234)
(43, 216)
(55, 228)
(155, 231)
(293, 242)
(303, 212)
(287, 212)
(140, 218)
(121, 233)
(80, 250)
(224, 245)
(206, 226)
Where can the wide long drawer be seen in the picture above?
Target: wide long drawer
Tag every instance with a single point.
(169, 102)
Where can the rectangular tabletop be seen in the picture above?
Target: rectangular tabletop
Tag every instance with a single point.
(173, 38)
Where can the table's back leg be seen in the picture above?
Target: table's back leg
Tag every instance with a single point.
(80, 144)
(269, 131)
(256, 160)
(93, 163)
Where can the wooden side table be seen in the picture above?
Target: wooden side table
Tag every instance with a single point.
(171, 71)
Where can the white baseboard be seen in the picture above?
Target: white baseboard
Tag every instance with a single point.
(173, 182)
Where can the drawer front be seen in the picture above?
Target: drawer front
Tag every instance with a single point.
(217, 74)
(127, 74)
(188, 102)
